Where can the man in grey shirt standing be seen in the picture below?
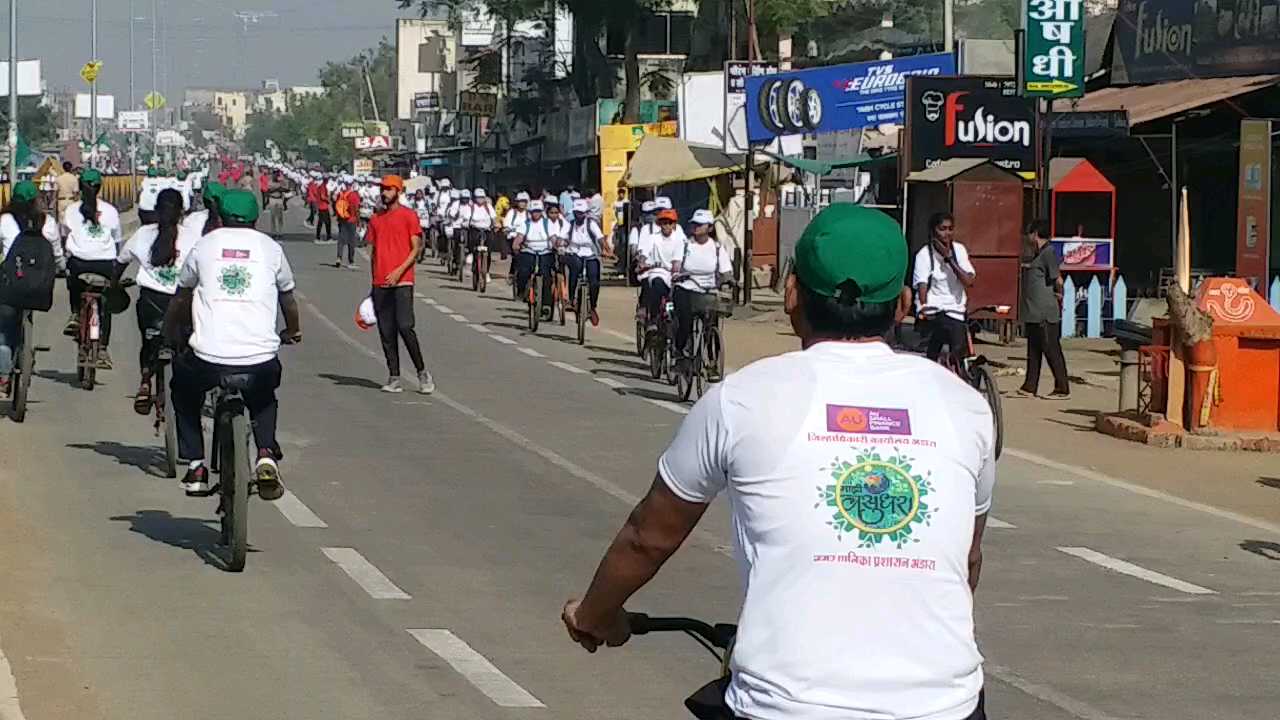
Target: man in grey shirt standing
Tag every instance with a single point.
(1041, 290)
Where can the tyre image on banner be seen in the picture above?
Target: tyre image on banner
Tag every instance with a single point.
(787, 107)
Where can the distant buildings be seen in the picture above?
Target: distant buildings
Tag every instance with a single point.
(234, 107)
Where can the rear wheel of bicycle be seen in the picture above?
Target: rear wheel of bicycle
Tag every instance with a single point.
(713, 347)
(234, 485)
(21, 384)
(640, 337)
(482, 272)
(655, 347)
(687, 371)
(535, 301)
(584, 311)
(562, 299)
(169, 422)
(986, 382)
(89, 371)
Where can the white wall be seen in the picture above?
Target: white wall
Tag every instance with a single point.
(409, 35)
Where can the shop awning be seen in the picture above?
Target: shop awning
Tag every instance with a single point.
(824, 167)
(1152, 102)
(664, 160)
(946, 170)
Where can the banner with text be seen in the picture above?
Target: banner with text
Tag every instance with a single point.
(1253, 216)
(1158, 40)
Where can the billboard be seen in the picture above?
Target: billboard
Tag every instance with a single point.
(970, 117)
(28, 78)
(1253, 218)
(133, 121)
(106, 106)
(1158, 40)
(838, 97)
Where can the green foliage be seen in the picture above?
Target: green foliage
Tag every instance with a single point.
(35, 122)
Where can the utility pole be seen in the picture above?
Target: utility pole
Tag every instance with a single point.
(13, 95)
(753, 46)
(155, 47)
(93, 86)
(948, 25)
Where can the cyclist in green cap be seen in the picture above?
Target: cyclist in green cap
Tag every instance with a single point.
(232, 286)
(206, 220)
(93, 237)
(24, 213)
(857, 478)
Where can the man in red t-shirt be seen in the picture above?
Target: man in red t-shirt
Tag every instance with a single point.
(324, 219)
(395, 238)
(346, 206)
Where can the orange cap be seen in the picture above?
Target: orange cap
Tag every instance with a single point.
(393, 181)
(669, 215)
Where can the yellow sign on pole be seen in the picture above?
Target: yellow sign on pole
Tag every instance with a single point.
(89, 73)
(154, 101)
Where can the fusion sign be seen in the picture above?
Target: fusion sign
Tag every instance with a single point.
(839, 97)
(970, 117)
(1158, 40)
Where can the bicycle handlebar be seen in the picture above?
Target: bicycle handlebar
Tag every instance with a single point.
(719, 635)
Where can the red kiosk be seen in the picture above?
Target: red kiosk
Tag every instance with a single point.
(1082, 211)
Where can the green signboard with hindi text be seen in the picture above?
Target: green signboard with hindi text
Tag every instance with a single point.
(1052, 61)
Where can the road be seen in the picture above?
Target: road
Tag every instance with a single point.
(418, 565)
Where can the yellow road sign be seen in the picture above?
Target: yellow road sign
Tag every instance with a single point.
(89, 73)
(154, 101)
(1057, 87)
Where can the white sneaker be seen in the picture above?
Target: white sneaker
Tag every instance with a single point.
(488, 278)
(393, 386)
(426, 384)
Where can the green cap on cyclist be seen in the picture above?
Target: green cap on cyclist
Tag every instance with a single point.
(852, 253)
(238, 206)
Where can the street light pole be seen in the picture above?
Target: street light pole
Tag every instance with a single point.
(948, 25)
(93, 86)
(13, 94)
(155, 46)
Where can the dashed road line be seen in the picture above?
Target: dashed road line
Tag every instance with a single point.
(460, 318)
(1081, 710)
(10, 709)
(667, 405)
(368, 577)
(531, 352)
(567, 367)
(503, 339)
(476, 668)
(480, 328)
(444, 309)
(1061, 483)
(998, 524)
(1128, 568)
(610, 382)
(297, 513)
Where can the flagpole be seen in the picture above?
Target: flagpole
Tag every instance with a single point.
(13, 95)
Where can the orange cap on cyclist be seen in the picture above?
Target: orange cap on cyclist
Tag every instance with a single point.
(669, 215)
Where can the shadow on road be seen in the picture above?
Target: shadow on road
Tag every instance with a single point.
(349, 381)
(147, 459)
(1262, 548)
(66, 378)
(1271, 482)
(202, 537)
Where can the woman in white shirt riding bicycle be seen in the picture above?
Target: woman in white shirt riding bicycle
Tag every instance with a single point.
(697, 277)
(582, 256)
(92, 230)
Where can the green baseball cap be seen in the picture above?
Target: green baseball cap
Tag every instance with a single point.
(91, 177)
(854, 253)
(153, 172)
(214, 190)
(25, 191)
(238, 205)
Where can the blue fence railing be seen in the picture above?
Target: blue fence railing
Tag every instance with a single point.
(1089, 310)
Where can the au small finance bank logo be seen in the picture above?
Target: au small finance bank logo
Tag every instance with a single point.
(874, 421)
(878, 498)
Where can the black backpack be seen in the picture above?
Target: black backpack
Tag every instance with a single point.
(27, 273)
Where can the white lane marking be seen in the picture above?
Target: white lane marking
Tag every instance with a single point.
(1066, 703)
(503, 339)
(1062, 483)
(567, 367)
(998, 524)
(531, 352)
(459, 318)
(424, 298)
(1246, 621)
(295, 512)
(1105, 479)
(667, 405)
(620, 336)
(10, 709)
(476, 668)
(1041, 598)
(610, 382)
(1128, 568)
(444, 309)
(368, 577)
(480, 328)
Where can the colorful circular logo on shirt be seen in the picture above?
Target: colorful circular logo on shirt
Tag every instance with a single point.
(877, 498)
(852, 420)
(234, 280)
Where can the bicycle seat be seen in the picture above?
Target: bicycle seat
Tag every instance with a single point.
(236, 382)
(94, 280)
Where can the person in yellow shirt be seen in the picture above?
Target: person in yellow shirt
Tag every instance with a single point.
(501, 207)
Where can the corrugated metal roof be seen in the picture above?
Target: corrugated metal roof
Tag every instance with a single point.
(1152, 102)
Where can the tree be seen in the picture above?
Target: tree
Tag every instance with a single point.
(35, 121)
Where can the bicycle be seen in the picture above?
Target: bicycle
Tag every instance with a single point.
(89, 334)
(582, 301)
(706, 365)
(165, 424)
(533, 295)
(708, 702)
(25, 367)
(560, 290)
(975, 370)
(480, 263)
(232, 463)
(659, 344)
(459, 259)
(450, 259)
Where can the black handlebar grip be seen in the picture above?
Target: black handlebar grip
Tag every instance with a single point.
(639, 623)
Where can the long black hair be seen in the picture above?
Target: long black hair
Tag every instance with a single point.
(27, 213)
(214, 220)
(89, 203)
(164, 251)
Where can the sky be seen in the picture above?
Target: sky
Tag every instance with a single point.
(202, 41)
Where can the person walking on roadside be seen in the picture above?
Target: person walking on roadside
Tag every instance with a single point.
(348, 207)
(324, 219)
(395, 238)
(313, 183)
(264, 184)
(1042, 313)
(68, 186)
(274, 199)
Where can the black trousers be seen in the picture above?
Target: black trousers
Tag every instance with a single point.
(394, 309)
(689, 304)
(151, 308)
(193, 377)
(1044, 342)
(347, 240)
(946, 330)
(577, 266)
(652, 294)
(75, 288)
(526, 264)
(324, 220)
(311, 212)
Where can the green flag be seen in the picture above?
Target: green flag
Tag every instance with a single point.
(23, 153)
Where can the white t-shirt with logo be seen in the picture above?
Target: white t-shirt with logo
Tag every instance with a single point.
(93, 242)
(237, 275)
(482, 217)
(138, 249)
(584, 237)
(538, 237)
(946, 292)
(661, 251)
(854, 476)
(702, 263)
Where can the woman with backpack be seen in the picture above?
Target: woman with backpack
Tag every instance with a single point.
(159, 250)
(93, 233)
(24, 214)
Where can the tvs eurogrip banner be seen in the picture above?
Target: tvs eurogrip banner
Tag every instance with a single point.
(837, 97)
(970, 117)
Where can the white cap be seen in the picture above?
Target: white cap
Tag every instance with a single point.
(455, 194)
(522, 196)
(444, 182)
(702, 217)
(535, 205)
(479, 192)
(550, 200)
(648, 206)
(581, 206)
(575, 194)
(663, 203)
(465, 194)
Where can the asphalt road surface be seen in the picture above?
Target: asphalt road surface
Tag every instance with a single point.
(418, 565)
